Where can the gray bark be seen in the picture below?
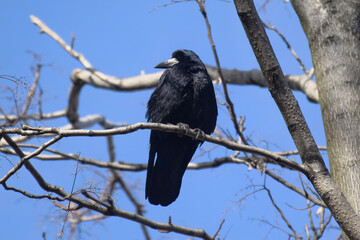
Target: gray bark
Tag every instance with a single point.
(333, 31)
(302, 83)
(316, 171)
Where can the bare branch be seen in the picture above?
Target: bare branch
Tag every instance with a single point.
(192, 166)
(323, 226)
(217, 232)
(312, 226)
(303, 83)
(27, 130)
(271, 27)
(32, 89)
(66, 156)
(287, 153)
(60, 41)
(24, 158)
(52, 115)
(68, 207)
(85, 122)
(295, 189)
(312, 160)
(113, 211)
(30, 195)
(90, 120)
(282, 214)
(170, 3)
(105, 80)
(117, 177)
(229, 105)
(275, 226)
(142, 81)
(145, 81)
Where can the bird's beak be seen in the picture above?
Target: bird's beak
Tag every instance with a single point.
(168, 63)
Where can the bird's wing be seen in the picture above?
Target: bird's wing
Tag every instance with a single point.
(205, 102)
(167, 98)
(208, 105)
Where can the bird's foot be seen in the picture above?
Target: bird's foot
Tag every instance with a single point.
(184, 127)
(199, 132)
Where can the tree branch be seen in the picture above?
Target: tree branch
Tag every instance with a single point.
(303, 83)
(113, 211)
(14, 118)
(117, 178)
(295, 189)
(28, 131)
(281, 214)
(32, 90)
(24, 158)
(316, 170)
(229, 103)
(122, 166)
(145, 81)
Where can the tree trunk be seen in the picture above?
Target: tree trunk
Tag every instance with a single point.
(333, 31)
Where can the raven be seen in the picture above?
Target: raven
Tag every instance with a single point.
(184, 95)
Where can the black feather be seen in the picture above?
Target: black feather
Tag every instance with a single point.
(185, 94)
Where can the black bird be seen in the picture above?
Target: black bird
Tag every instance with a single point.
(185, 94)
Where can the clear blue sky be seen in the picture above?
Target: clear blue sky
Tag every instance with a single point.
(122, 38)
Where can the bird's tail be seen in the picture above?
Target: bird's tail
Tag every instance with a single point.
(164, 178)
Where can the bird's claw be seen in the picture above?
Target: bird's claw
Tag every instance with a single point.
(199, 132)
(183, 127)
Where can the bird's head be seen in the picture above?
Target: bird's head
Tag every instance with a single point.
(180, 56)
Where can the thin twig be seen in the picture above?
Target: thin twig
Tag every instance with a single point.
(217, 232)
(117, 177)
(275, 226)
(168, 4)
(32, 89)
(339, 237)
(312, 226)
(24, 158)
(12, 118)
(71, 192)
(281, 214)
(30, 195)
(271, 27)
(295, 152)
(323, 227)
(66, 208)
(295, 189)
(229, 105)
(45, 29)
(78, 56)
